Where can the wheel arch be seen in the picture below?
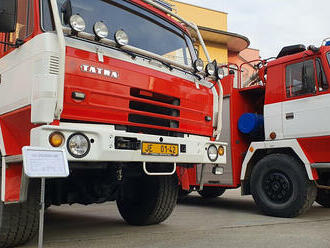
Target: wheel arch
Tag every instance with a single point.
(259, 150)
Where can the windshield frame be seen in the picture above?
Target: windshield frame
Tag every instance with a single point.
(179, 31)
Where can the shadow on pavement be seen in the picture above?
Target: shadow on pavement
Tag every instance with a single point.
(223, 203)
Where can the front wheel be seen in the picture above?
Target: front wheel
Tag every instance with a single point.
(147, 200)
(280, 186)
(19, 222)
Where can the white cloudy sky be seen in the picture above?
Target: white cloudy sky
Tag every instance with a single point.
(272, 24)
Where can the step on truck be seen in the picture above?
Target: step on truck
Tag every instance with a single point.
(118, 85)
(277, 128)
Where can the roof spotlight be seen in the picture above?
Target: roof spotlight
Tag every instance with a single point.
(77, 23)
(198, 65)
(101, 30)
(121, 37)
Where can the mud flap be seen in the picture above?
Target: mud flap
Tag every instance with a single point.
(183, 177)
(14, 184)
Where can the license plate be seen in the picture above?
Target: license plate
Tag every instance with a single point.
(159, 149)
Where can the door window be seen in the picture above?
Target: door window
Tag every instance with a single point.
(24, 26)
(321, 78)
(300, 79)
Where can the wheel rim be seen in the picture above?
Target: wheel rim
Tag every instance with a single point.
(277, 187)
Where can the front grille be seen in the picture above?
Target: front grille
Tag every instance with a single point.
(151, 106)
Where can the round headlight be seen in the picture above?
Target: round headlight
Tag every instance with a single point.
(121, 38)
(210, 69)
(199, 65)
(78, 145)
(220, 73)
(77, 23)
(101, 30)
(212, 153)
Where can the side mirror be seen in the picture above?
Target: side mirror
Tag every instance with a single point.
(66, 9)
(8, 16)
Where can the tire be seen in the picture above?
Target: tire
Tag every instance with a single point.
(19, 222)
(323, 195)
(280, 186)
(211, 192)
(147, 200)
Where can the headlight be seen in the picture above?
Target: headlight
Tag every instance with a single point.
(101, 30)
(212, 153)
(220, 73)
(56, 139)
(77, 23)
(121, 38)
(78, 145)
(210, 69)
(199, 65)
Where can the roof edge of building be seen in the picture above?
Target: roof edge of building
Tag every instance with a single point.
(226, 33)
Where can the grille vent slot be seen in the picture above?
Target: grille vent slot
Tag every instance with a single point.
(147, 109)
(54, 65)
(141, 106)
(148, 120)
(155, 96)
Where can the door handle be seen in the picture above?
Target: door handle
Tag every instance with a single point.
(289, 116)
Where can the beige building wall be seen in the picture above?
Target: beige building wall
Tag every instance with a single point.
(217, 51)
(202, 16)
(208, 18)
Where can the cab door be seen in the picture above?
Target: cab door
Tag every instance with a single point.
(306, 111)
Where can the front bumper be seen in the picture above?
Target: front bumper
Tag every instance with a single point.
(103, 147)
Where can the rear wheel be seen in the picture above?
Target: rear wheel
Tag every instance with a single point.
(147, 200)
(280, 186)
(19, 222)
(323, 195)
(211, 192)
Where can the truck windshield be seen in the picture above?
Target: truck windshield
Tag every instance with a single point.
(145, 30)
(328, 56)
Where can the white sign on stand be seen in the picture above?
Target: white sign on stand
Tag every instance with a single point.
(44, 163)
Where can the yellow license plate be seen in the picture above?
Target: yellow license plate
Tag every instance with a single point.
(159, 149)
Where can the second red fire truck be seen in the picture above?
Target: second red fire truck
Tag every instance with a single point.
(278, 134)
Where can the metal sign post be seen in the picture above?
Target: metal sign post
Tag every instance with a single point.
(44, 163)
(42, 213)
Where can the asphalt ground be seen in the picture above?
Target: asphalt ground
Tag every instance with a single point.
(228, 221)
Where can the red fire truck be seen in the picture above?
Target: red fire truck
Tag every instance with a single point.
(118, 85)
(278, 134)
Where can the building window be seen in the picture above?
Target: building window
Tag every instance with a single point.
(300, 79)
